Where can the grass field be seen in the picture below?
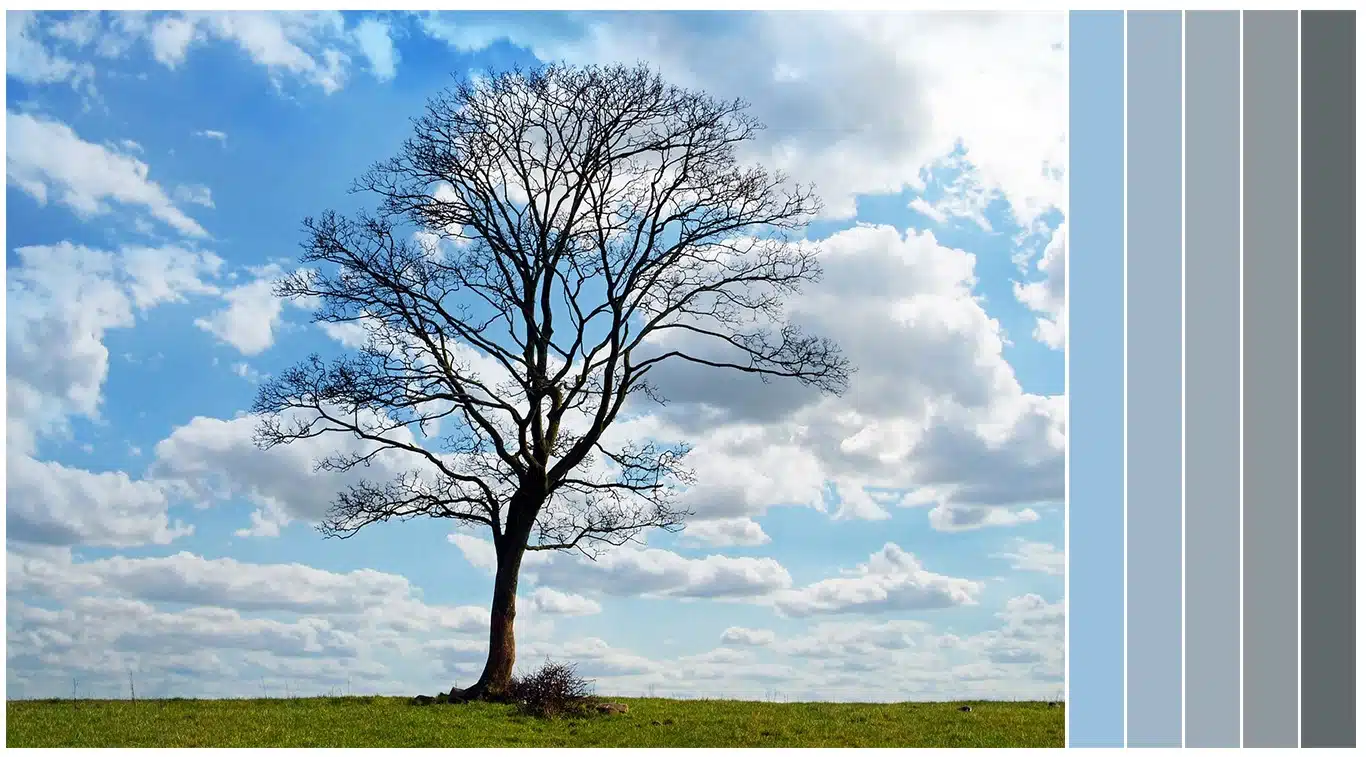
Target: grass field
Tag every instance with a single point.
(392, 722)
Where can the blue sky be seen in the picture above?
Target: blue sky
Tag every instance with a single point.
(159, 167)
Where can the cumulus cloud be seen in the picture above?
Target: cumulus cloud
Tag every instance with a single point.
(217, 626)
(169, 274)
(170, 38)
(52, 504)
(253, 313)
(935, 418)
(834, 640)
(628, 571)
(1038, 557)
(554, 602)
(48, 161)
(969, 518)
(217, 459)
(100, 641)
(934, 415)
(1047, 295)
(747, 637)
(62, 299)
(593, 657)
(727, 532)
(891, 580)
(886, 96)
(298, 44)
(185, 578)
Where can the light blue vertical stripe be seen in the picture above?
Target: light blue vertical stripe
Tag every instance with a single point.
(1095, 698)
(1154, 366)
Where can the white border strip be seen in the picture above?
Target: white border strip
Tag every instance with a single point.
(1124, 677)
(1183, 377)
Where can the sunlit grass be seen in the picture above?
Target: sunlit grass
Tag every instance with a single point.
(392, 722)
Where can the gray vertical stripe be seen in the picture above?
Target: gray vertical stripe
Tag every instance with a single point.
(1270, 379)
(1212, 379)
(1328, 372)
(1154, 368)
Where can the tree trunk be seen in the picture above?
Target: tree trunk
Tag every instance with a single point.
(497, 675)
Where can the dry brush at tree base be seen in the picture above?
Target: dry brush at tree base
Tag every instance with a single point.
(544, 242)
(392, 722)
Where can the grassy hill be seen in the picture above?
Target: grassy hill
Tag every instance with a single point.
(392, 722)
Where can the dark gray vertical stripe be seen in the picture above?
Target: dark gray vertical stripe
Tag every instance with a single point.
(1328, 372)
(1270, 379)
(1212, 380)
(1154, 368)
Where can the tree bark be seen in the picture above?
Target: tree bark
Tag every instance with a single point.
(494, 681)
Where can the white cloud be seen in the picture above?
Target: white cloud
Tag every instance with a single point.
(592, 656)
(171, 37)
(312, 47)
(61, 300)
(858, 103)
(219, 136)
(554, 602)
(29, 60)
(969, 518)
(1039, 557)
(79, 28)
(253, 313)
(892, 580)
(1048, 295)
(52, 504)
(351, 334)
(49, 162)
(657, 572)
(628, 571)
(216, 627)
(934, 414)
(832, 640)
(747, 637)
(247, 372)
(197, 194)
(727, 532)
(211, 458)
(167, 274)
(374, 38)
(1031, 615)
(295, 43)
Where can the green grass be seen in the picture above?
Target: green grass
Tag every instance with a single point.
(392, 722)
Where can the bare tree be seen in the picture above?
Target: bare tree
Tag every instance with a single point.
(543, 243)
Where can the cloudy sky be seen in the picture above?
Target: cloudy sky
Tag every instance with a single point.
(903, 541)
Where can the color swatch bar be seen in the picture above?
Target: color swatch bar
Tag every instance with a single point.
(1211, 478)
(1154, 289)
(1213, 415)
(1328, 371)
(1270, 379)
(1095, 619)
